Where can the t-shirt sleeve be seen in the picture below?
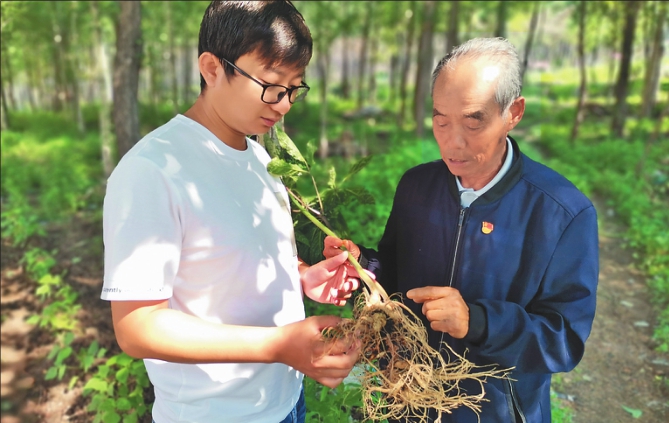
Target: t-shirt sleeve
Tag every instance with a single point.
(141, 232)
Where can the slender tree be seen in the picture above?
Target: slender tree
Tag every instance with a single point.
(425, 57)
(530, 37)
(452, 30)
(104, 83)
(652, 71)
(408, 47)
(502, 11)
(345, 46)
(4, 113)
(622, 84)
(126, 75)
(364, 47)
(580, 112)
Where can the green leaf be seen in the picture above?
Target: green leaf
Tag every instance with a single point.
(95, 384)
(279, 167)
(111, 417)
(123, 404)
(289, 147)
(33, 320)
(63, 355)
(122, 375)
(125, 360)
(69, 337)
(73, 381)
(311, 151)
(130, 418)
(633, 411)
(324, 392)
(358, 166)
(332, 181)
(61, 372)
(51, 373)
(361, 194)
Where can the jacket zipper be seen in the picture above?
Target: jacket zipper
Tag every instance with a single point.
(461, 219)
(515, 404)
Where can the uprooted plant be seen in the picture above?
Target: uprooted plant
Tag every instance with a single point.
(402, 375)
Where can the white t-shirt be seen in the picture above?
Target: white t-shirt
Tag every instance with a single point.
(189, 219)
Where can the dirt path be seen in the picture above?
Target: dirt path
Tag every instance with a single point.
(620, 366)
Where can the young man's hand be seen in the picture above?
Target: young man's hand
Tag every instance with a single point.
(330, 281)
(332, 246)
(301, 346)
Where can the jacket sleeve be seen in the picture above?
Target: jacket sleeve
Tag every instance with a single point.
(548, 335)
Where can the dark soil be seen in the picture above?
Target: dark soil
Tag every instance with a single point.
(620, 367)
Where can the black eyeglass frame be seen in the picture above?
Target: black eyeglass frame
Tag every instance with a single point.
(280, 96)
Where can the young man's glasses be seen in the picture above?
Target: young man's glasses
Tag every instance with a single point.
(274, 93)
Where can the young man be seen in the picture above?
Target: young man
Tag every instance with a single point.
(497, 252)
(201, 267)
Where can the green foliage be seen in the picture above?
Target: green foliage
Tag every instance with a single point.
(325, 405)
(559, 412)
(326, 203)
(117, 390)
(55, 174)
(20, 223)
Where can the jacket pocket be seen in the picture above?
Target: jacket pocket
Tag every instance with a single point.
(515, 413)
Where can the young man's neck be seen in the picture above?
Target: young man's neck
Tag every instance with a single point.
(206, 117)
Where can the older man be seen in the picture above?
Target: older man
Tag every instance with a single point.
(498, 252)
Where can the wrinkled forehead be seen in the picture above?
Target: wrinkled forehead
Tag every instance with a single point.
(473, 80)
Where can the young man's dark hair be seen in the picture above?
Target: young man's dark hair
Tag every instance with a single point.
(275, 30)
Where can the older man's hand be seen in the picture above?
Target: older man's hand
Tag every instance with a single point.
(444, 307)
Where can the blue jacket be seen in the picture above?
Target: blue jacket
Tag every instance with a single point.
(530, 282)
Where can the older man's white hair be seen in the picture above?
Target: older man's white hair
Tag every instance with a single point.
(495, 50)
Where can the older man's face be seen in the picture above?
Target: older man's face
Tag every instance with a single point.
(467, 123)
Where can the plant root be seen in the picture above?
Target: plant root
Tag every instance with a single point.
(403, 375)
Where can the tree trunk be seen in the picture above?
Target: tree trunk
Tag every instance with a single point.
(408, 47)
(373, 56)
(345, 83)
(530, 38)
(393, 65)
(60, 93)
(72, 66)
(322, 64)
(104, 83)
(651, 140)
(172, 59)
(615, 21)
(8, 73)
(425, 56)
(126, 75)
(652, 74)
(500, 30)
(187, 80)
(452, 32)
(622, 85)
(581, 59)
(32, 89)
(4, 113)
(363, 52)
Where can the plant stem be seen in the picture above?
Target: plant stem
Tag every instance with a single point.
(372, 285)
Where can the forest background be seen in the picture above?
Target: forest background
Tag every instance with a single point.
(83, 81)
